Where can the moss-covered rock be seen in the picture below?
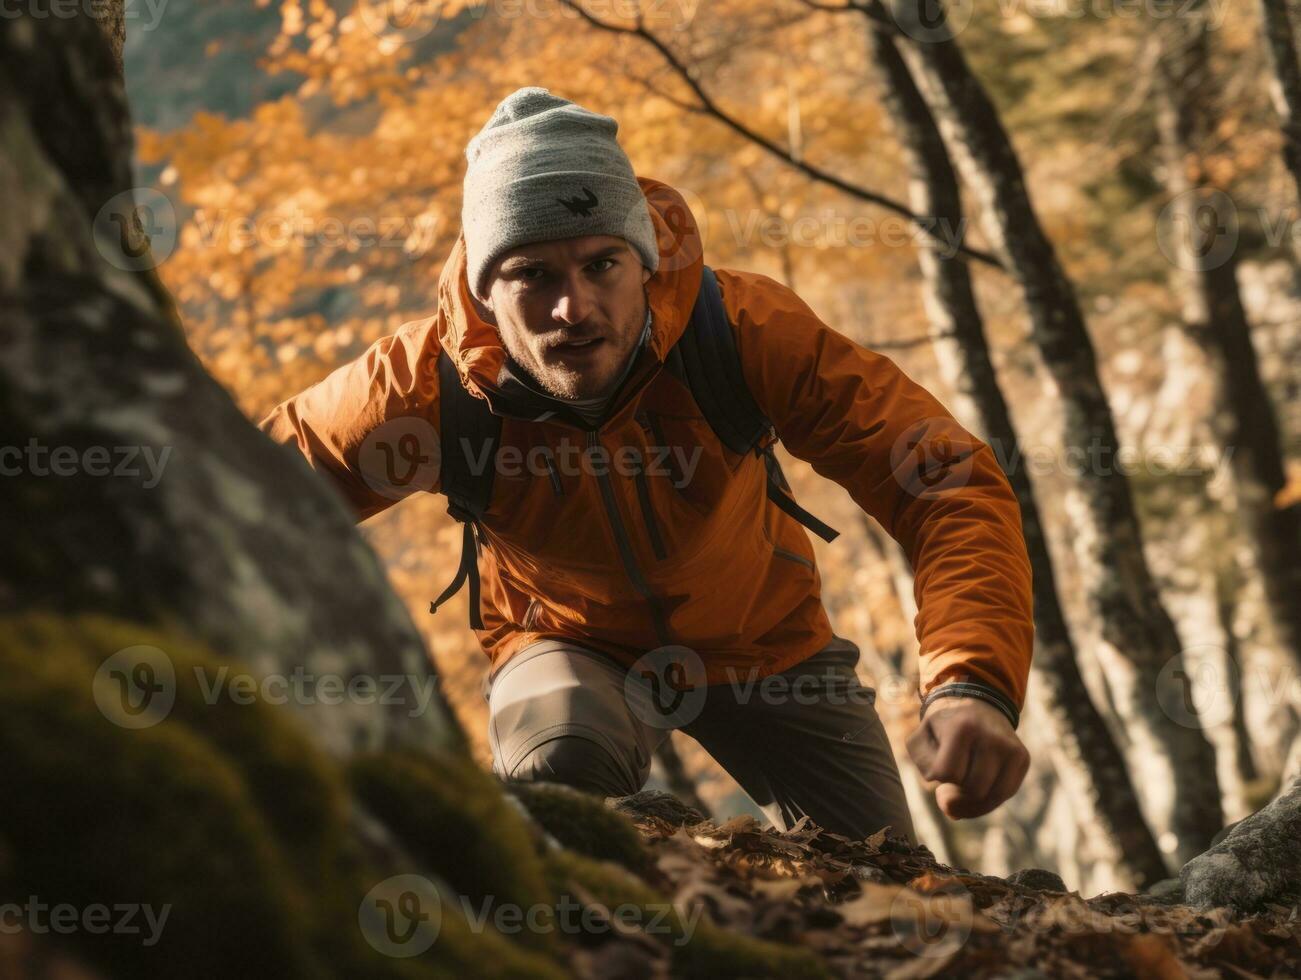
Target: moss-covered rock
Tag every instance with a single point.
(467, 950)
(453, 817)
(583, 823)
(221, 815)
(263, 852)
(699, 949)
(157, 817)
(293, 783)
(656, 805)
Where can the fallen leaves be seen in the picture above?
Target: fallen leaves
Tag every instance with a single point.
(880, 907)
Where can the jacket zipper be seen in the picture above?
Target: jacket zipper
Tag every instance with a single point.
(647, 511)
(653, 421)
(630, 565)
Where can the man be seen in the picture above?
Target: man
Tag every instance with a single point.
(633, 544)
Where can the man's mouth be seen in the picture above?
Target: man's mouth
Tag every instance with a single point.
(574, 346)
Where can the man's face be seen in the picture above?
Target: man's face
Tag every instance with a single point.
(571, 311)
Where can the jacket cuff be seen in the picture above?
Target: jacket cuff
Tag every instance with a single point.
(973, 689)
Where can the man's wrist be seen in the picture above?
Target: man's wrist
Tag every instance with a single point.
(978, 691)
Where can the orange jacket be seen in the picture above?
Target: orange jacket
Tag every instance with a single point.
(730, 575)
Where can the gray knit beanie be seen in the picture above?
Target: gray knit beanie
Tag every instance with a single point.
(544, 168)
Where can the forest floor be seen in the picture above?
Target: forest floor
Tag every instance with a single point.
(883, 908)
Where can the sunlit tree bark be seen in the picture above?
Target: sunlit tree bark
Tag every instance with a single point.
(1280, 41)
(1138, 645)
(181, 513)
(1200, 235)
(1086, 758)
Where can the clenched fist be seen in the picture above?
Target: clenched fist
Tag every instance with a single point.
(967, 751)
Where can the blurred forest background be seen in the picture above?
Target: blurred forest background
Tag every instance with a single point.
(311, 157)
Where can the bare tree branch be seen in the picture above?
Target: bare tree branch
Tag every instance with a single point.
(710, 107)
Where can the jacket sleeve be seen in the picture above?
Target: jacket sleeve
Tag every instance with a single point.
(370, 426)
(859, 420)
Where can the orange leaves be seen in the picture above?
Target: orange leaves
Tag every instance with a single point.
(291, 18)
(337, 200)
(1152, 957)
(880, 908)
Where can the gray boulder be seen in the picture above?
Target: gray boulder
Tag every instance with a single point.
(1255, 864)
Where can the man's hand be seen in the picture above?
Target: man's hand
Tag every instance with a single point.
(969, 754)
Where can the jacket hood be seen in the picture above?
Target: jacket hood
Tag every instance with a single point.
(475, 346)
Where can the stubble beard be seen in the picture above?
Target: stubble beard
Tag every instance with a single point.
(566, 383)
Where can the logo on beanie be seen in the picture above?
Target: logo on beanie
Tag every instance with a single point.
(580, 205)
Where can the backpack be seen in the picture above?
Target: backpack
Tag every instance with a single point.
(705, 358)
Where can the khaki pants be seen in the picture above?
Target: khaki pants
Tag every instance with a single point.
(807, 741)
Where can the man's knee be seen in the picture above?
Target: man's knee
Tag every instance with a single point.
(577, 761)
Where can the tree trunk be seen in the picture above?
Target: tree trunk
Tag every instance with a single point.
(1244, 763)
(111, 15)
(1205, 274)
(135, 487)
(1285, 90)
(1138, 644)
(1086, 758)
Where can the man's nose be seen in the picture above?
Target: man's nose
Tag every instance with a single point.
(574, 301)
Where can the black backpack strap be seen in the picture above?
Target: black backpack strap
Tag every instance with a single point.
(469, 435)
(712, 369)
(706, 358)
(779, 492)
